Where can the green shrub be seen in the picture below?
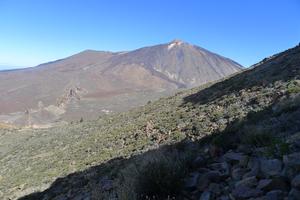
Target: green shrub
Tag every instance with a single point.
(293, 87)
(278, 148)
(157, 176)
(159, 179)
(225, 141)
(275, 145)
(260, 139)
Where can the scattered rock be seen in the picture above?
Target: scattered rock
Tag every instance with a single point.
(275, 195)
(244, 148)
(215, 188)
(270, 167)
(243, 192)
(224, 197)
(106, 184)
(237, 176)
(290, 171)
(191, 181)
(248, 182)
(296, 181)
(223, 168)
(206, 178)
(292, 159)
(294, 194)
(278, 183)
(198, 162)
(244, 161)
(233, 157)
(205, 196)
(238, 173)
(254, 166)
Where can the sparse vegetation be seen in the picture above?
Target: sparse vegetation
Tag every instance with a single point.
(294, 87)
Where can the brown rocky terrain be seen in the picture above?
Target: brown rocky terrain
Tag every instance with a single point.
(94, 83)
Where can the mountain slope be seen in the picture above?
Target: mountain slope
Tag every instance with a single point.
(263, 100)
(93, 83)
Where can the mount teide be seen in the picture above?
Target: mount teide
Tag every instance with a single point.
(92, 83)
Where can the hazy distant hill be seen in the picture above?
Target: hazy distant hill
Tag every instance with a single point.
(93, 83)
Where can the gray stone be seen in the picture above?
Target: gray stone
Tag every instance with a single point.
(292, 159)
(245, 148)
(106, 184)
(191, 181)
(259, 198)
(254, 166)
(296, 181)
(275, 195)
(215, 188)
(244, 161)
(290, 171)
(223, 168)
(294, 194)
(238, 173)
(277, 183)
(224, 197)
(206, 178)
(244, 192)
(205, 196)
(270, 167)
(233, 156)
(198, 162)
(248, 182)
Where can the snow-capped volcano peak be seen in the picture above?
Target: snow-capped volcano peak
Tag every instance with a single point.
(174, 43)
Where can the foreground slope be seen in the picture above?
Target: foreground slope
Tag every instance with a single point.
(108, 156)
(93, 83)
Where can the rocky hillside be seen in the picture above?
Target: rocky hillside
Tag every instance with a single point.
(233, 139)
(95, 83)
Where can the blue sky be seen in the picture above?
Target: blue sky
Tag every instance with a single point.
(37, 31)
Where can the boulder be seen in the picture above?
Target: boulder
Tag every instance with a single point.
(238, 173)
(106, 184)
(270, 167)
(205, 196)
(277, 183)
(246, 149)
(254, 166)
(292, 159)
(294, 194)
(275, 195)
(224, 197)
(206, 178)
(198, 162)
(244, 192)
(215, 188)
(190, 183)
(223, 168)
(290, 171)
(232, 157)
(296, 181)
(244, 161)
(248, 182)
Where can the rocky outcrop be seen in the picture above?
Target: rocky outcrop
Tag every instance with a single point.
(238, 175)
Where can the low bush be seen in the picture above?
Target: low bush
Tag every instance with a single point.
(293, 87)
(158, 176)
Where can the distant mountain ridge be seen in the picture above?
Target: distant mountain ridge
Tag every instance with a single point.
(85, 84)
